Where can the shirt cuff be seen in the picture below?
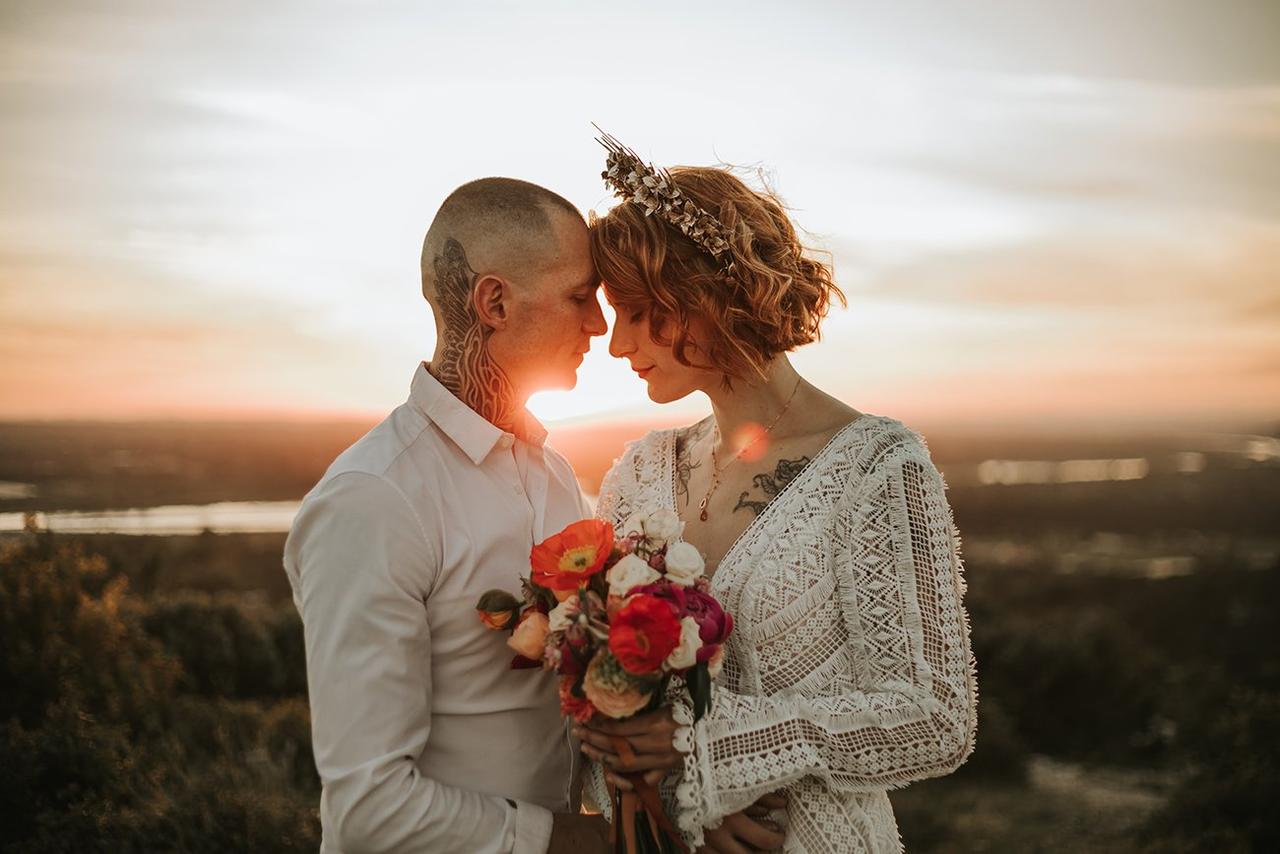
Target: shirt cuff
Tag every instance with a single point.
(533, 829)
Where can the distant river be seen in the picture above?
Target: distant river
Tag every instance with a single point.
(226, 517)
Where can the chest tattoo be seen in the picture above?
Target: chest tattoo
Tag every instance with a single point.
(685, 464)
(770, 484)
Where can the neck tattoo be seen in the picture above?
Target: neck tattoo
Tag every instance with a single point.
(465, 367)
(717, 469)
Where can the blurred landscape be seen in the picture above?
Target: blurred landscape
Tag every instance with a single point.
(1121, 590)
(1043, 213)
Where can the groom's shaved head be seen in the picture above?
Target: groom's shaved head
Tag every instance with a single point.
(499, 225)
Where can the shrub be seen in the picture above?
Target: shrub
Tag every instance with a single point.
(1227, 802)
(1079, 685)
(230, 647)
(103, 751)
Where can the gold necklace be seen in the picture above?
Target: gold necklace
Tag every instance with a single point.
(717, 469)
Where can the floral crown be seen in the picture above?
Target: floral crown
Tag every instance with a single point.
(633, 180)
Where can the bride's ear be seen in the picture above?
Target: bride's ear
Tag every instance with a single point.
(489, 299)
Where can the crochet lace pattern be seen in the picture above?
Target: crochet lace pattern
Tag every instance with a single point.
(849, 671)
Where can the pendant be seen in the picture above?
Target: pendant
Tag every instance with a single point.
(703, 508)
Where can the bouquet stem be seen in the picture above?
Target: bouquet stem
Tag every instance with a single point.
(644, 800)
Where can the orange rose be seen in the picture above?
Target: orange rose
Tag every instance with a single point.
(614, 692)
(530, 637)
(563, 562)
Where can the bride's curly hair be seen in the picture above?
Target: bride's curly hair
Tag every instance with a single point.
(774, 301)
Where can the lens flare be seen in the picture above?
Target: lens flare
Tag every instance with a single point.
(753, 440)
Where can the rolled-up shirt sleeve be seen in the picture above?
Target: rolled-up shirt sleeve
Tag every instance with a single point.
(363, 566)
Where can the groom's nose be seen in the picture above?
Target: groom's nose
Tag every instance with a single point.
(595, 324)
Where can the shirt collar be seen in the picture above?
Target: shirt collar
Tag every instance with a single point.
(475, 435)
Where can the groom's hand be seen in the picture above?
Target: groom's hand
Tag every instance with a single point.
(578, 834)
(749, 830)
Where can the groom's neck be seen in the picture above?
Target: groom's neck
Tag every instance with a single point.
(471, 375)
(463, 362)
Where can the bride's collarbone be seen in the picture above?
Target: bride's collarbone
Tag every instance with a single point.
(745, 490)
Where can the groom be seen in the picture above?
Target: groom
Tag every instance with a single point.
(423, 738)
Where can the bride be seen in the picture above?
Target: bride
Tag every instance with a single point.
(826, 532)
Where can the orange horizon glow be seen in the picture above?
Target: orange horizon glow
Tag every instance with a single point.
(220, 228)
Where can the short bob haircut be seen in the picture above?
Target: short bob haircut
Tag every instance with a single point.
(775, 303)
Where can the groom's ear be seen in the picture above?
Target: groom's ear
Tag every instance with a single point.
(489, 298)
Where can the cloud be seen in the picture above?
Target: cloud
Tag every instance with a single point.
(1217, 271)
(1107, 144)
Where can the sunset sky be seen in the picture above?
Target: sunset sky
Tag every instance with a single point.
(1043, 212)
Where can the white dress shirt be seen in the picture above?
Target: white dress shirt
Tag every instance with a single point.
(424, 739)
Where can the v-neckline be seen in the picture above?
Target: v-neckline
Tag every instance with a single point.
(670, 466)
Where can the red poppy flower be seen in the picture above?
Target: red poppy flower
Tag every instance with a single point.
(566, 560)
(573, 706)
(643, 634)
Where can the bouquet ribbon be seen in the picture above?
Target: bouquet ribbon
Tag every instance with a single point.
(644, 798)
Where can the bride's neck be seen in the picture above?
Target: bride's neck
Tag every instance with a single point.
(759, 404)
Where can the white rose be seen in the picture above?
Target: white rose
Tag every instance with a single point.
(662, 526)
(628, 573)
(684, 564)
(633, 525)
(686, 654)
(563, 615)
(715, 662)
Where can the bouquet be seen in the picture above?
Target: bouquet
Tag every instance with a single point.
(618, 615)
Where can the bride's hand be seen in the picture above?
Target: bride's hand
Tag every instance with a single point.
(650, 736)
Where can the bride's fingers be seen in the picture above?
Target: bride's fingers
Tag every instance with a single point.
(653, 778)
(652, 744)
(593, 738)
(643, 762)
(659, 719)
(655, 743)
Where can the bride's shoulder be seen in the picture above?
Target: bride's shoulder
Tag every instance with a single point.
(639, 456)
(870, 436)
(656, 443)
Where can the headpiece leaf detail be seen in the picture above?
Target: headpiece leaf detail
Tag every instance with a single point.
(651, 188)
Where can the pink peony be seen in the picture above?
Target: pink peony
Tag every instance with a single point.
(714, 622)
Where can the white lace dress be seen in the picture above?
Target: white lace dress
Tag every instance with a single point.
(849, 670)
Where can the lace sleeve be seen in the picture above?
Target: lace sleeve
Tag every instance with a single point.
(896, 557)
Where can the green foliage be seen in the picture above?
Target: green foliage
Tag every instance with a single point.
(229, 648)
(1078, 685)
(178, 720)
(107, 744)
(1001, 752)
(1227, 802)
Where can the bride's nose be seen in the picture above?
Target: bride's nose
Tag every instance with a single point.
(620, 343)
